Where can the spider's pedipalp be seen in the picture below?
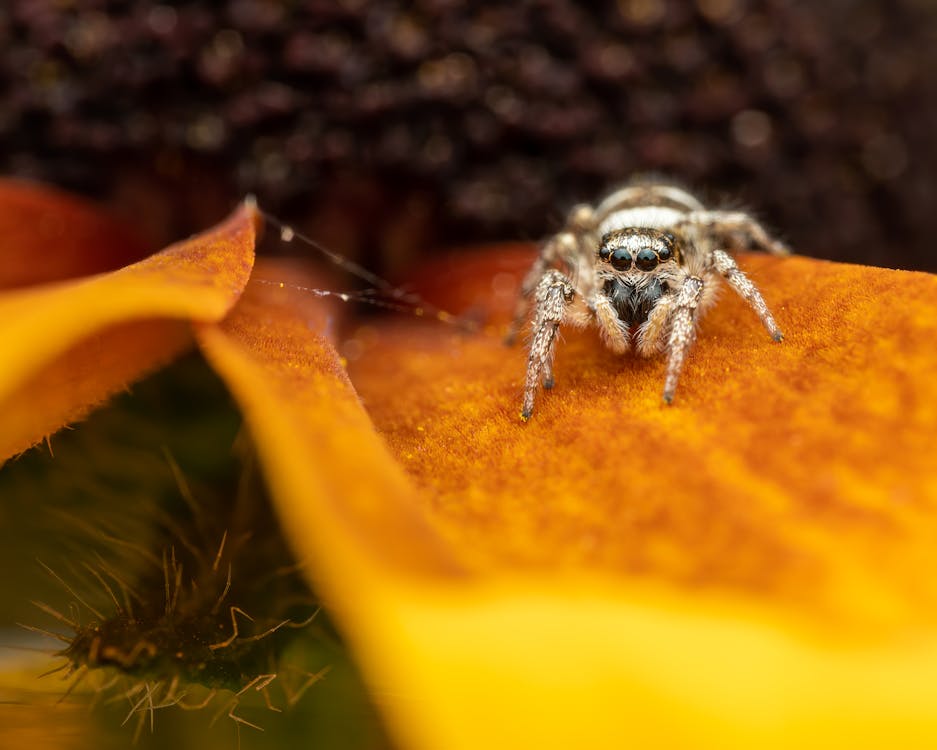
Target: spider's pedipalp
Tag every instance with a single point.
(613, 331)
(652, 336)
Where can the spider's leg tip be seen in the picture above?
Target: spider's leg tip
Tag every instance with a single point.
(549, 382)
(668, 397)
(525, 414)
(777, 336)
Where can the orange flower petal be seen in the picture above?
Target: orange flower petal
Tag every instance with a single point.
(48, 235)
(784, 473)
(746, 568)
(65, 347)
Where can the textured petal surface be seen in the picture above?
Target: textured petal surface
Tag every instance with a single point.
(746, 568)
(801, 474)
(66, 346)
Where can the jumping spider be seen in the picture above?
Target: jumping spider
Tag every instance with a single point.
(642, 266)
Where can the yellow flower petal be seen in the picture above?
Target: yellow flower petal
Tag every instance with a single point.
(749, 568)
(65, 347)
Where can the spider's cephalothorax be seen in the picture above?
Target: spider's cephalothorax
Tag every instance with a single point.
(642, 266)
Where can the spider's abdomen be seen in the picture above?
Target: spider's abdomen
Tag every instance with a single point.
(634, 303)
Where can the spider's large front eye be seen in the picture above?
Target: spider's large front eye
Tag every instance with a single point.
(620, 259)
(646, 260)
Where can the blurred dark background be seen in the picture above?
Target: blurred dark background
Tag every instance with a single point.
(389, 128)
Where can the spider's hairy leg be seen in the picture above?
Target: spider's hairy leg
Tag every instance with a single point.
(546, 377)
(744, 231)
(682, 331)
(725, 264)
(528, 285)
(553, 295)
(581, 218)
(563, 248)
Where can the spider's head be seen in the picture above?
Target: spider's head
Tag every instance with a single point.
(637, 249)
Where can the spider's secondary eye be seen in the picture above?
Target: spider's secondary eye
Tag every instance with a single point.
(621, 259)
(665, 254)
(647, 260)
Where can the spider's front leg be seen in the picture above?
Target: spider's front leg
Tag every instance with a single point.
(561, 248)
(683, 318)
(551, 299)
(528, 285)
(743, 286)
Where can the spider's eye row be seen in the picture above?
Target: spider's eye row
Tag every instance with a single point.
(646, 260)
(620, 259)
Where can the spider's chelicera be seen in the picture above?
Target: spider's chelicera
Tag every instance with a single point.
(642, 266)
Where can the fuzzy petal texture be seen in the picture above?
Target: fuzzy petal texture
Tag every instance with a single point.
(799, 473)
(68, 345)
(748, 568)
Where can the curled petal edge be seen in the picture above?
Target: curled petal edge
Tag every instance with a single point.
(67, 346)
